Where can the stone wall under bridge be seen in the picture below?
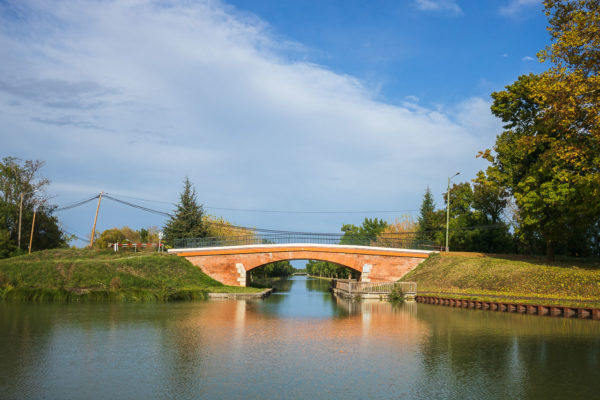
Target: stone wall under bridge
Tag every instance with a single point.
(375, 264)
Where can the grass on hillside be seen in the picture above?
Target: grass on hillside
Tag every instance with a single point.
(483, 276)
(68, 274)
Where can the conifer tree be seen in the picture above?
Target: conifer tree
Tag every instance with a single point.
(188, 219)
(427, 221)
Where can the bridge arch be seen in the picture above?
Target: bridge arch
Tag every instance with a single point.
(230, 264)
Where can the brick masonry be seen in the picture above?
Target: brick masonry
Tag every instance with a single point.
(230, 266)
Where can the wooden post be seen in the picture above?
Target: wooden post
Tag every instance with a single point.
(32, 225)
(20, 214)
(95, 219)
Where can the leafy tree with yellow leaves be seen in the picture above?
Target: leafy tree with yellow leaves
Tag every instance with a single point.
(548, 157)
(570, 89)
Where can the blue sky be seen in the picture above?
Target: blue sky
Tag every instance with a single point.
(273, 105)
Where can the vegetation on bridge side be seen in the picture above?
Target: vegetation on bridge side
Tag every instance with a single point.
(518, 279)
(90, 275)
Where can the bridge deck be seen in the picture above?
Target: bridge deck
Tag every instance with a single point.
(293, 247)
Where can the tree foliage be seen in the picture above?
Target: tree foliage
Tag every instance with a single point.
(23, 177)
(429, 220)
(570, 89)
(126, 235)
(272, 270)
(551, 190)
(219, 227)
(363, 234)
(188, 221)
(330, 270)
(401, 233)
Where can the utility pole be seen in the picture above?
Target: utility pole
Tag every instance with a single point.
(95, 219)
(20, 215)
(32, 225)
(448, 209)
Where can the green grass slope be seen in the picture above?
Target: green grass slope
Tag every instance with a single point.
(80, 274)
(494, 277)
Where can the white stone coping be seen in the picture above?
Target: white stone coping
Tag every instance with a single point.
(300, 246)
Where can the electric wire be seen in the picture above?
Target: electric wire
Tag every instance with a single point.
(76, 204)
(147, 209)
(308, 212)
(260, 230)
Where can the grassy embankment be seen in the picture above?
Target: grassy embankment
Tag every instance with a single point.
(525, 280)
(90, 275)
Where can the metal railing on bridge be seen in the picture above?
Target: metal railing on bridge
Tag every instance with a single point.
(400, 241)
(352, 288)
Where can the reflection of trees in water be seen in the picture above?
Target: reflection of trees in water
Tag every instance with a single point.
(509, 355)
(26, 335)
(317, 285)
(280, 284)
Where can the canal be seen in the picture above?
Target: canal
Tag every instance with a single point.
(300, 343)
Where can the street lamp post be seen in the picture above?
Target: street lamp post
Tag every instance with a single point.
(448, 209)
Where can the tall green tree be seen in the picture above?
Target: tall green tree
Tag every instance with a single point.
(187, 222)
(552, 198)
(18, 177)
(429, 220)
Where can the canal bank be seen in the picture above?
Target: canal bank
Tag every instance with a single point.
(514, 279)
(82, 275)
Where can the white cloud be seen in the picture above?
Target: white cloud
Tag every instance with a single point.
(515, 7)
(132, 96)
(527, 58)
(438, 5)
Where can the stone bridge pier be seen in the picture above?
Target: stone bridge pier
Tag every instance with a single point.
(229, 265)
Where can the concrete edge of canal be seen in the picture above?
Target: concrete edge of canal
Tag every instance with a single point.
(510, 307)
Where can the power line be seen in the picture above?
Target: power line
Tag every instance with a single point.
(147, 209)
(260, 230)
(142, 199)
(270, 211)
(308, 212)
(76, 204)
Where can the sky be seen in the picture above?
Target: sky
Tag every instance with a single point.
(265, 105)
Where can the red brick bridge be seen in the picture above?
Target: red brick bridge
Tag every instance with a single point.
(229, 264)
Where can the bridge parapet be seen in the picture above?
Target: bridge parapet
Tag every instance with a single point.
(387, 240)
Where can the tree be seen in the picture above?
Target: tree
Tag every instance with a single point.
(489, 198)
(272, 270)
(330, 270)
(400, 233)
(429, 222)
(552, 193)
(570, 89)
(364, 234)
(18, 178)
(188, 220)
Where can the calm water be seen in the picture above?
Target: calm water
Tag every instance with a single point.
(301, 343)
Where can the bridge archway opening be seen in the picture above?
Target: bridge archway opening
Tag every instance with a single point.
(315, 267)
